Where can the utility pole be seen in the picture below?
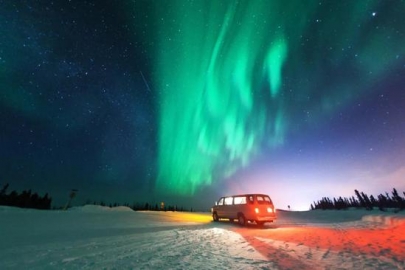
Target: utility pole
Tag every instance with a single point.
(71, 196)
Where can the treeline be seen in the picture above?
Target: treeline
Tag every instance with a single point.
(144, 206)
(362, 200)
(25, 199)
(157, 207)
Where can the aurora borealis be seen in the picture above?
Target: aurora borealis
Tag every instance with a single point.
(169, 100)
(212, 121)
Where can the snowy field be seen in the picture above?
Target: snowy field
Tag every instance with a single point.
(94, 237)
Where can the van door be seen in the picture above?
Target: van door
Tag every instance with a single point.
(220, 208)
(228, 207)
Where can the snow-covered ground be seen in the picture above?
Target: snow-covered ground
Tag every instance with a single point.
(94, 237)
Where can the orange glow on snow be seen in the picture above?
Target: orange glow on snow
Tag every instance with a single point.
(181, 216)
(372, 242)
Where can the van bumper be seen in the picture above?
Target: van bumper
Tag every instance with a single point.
(266, 218)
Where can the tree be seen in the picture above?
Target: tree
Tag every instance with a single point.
(360, 198)
(373, 201)
(3, 194)
(4, 189)
(367, 201)
(72, 195)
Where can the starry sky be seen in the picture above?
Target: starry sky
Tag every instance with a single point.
(185, 101)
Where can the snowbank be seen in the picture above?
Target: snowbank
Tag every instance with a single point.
(99, 208)
(387, 220)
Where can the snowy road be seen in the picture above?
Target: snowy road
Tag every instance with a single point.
(99, 238)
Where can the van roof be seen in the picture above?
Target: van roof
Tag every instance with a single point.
(248, 194)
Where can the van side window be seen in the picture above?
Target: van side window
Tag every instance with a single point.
(259, 199)
(221, 201)
(239, 200)
(251, 200)
(228, 200)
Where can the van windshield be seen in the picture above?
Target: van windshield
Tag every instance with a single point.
(263, 200)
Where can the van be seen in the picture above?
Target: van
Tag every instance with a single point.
(245, 208)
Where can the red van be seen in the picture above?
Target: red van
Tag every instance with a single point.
(245, 208)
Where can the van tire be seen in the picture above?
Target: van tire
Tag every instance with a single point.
(241, 220)
(215, 217)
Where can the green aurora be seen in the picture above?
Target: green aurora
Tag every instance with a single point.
(233, 77)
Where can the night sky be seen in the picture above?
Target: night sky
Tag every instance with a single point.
(185, 101)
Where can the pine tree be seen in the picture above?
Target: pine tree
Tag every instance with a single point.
(373, 201)
(400, 202)
(4, 189)
(367, 201)
(361, 200)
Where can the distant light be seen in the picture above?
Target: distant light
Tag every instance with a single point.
(373, 14)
